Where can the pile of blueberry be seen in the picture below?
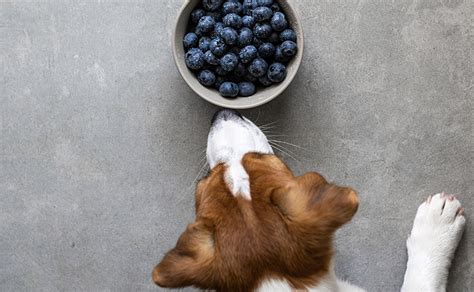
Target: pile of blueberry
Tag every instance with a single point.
(237, 45)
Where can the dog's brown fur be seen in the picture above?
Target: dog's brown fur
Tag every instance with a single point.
(285, 231)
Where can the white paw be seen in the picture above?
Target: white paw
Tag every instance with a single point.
(438, 227)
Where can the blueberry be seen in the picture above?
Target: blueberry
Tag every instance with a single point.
(231, 7)
(230, 36)
(221, 72)
(190, 40)
(240, 70)
(232, 20)
(219, 81)
(194, 59)
(206, 78)
(210, 58)
(196, 15)
(204, 43)
(206, 24)
(276, 72)
(262, 13)
(288, 48)
(217, 46)
(229, 89)
(266, 50)
(246, 89)
(229, 62)
(245, 37)
(218, 28)
(248, 21)
(258, 67)
(278, 21)
(275, 7)
(279, 56)
(288, 35)
(267, 3)
(211, 5)
(247, 54)
(265, 81)
(274, 38)
(262, 30)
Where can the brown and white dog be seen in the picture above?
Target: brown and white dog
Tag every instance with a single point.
(260, 227)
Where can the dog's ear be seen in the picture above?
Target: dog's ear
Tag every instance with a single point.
(312, 202)
(189, 263)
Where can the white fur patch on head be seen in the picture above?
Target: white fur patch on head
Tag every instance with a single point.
(231, 137)
(237, 180)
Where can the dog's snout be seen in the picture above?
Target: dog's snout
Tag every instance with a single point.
(226, 114)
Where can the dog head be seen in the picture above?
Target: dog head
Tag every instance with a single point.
(254, 218)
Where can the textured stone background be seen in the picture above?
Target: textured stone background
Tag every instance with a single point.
(100, 138)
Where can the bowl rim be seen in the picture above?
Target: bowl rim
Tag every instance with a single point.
(280, 87)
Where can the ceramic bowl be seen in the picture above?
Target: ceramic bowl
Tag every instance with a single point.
(263, 95)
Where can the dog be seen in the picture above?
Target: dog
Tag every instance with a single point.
(260, 227)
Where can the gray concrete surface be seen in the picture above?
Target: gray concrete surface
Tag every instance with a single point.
(101, 140)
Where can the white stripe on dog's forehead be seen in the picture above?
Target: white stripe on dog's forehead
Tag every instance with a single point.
(237, 180)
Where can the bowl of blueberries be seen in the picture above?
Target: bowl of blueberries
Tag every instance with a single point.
(238, 53)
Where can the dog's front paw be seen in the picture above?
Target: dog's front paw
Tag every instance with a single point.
(438, 227)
